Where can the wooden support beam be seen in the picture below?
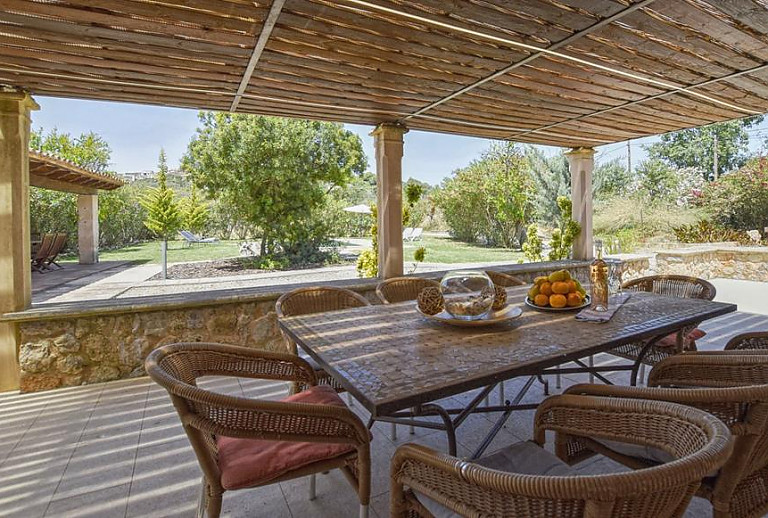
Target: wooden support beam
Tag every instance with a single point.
(388, 144)
(88, 228)
(581, 162)
(15, 275)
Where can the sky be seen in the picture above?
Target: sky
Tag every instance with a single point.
(137, 132)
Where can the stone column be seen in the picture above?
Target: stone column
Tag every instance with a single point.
(15, 272)
(88, 228)
(388, 141)
(581, 162)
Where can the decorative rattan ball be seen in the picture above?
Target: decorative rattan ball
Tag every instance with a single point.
(430, 300)
(500, 297)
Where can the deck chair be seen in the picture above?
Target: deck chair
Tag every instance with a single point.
(59, 242)
(38, 261)
(416, 234)
(407, 233)
(191, 238)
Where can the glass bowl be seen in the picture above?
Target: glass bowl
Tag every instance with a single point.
(468, 294)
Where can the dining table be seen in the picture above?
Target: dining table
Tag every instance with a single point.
(401, 366)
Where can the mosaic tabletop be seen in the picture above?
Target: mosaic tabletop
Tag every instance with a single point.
(390, 357)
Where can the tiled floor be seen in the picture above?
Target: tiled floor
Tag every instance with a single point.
(117, 449)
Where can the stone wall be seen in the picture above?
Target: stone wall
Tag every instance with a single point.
(746, 263)
(74, 344)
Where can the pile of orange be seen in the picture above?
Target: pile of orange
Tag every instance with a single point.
(557, 290)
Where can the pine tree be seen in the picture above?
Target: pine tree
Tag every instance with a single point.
(163, 215)
(194, 212)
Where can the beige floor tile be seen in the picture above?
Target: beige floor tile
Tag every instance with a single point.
(105, 503)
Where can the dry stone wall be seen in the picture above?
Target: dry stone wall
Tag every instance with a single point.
(93, 345)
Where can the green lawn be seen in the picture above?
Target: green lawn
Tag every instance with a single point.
(439, 250)
(178, 251)
(447, 250)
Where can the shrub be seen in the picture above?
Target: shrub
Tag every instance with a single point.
(622, 241)
(707, 232)
(566, 232)
(647, 219)
(740, 200)
(532, 247)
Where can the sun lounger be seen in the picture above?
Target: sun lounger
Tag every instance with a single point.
(416, 234)
(407, 232)
(191, 238)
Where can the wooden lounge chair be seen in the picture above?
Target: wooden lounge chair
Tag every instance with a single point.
(684, 340)
(304, 301)
(732, 386)
(244, 442)
(756, 341)
(525, 480)
(42, 252)
(59, 242)
(402, 289)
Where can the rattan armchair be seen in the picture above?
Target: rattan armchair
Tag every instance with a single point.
(423, 479)
(757, 340)
(672, 286)
(503, 279)
(251, 426)
(305, 301)
(402, 289)
(732, 386)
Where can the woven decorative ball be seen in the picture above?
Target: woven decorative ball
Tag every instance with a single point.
(500, 297)
(430, 300)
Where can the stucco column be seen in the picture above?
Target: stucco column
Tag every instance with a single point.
(88, 228)
(388, 141)
(581, 162)
(15, 270)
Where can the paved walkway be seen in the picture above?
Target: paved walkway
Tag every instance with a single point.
(117, 450)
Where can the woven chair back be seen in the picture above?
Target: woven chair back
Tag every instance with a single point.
(402, 289)
(674, 286)
(503, 279)
(305, 301)
(757, 340)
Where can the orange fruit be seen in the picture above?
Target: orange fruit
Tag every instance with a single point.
(546, 288)
(541, 300)
(572, 287)
(574, 299)
(560, 287)
(557, 300)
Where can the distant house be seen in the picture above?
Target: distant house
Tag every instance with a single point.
(133, 176)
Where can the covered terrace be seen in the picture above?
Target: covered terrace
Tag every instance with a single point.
(571, 73)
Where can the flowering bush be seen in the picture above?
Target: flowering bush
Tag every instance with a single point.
(740, 200)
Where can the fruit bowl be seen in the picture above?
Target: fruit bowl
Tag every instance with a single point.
(558, 291)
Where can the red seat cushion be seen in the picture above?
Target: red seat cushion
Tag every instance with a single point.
(671, 339)
(248, 462)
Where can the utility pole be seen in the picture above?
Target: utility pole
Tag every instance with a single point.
(717, 172)
(629, 158)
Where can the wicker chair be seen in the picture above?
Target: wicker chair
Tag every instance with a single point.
(402, 289)
(757, 340)
(509, 483)
(730, 385)
(305, 301)
(227, 429)
(673, 286)
(503, 279)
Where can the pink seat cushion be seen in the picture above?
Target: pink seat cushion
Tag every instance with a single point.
(671, 339)
(249, 462)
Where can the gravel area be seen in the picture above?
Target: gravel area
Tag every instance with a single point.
(219, 268)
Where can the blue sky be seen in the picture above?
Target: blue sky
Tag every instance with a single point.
(136, 133)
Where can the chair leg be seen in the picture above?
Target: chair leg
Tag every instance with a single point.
(313, 486)
(642, 374)
(411, 428)
(487, 401)
(202, 500)
(501, 393)
(393, 432)
(591, 364)
(214, 506)
(363, 511)
(558, 381)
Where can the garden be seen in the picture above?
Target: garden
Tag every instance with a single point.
(271, 194)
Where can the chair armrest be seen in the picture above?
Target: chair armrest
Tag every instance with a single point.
(214, 359)
(757, 340)
(710, 369)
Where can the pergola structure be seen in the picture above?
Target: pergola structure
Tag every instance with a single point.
(572, 73)
(56, 174)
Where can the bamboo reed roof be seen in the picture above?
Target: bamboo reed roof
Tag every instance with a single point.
(54, 173)
(560, 72)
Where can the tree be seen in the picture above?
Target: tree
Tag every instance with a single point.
(491, 199)
(275, 172)
(553, 179)
(739, 200)
(657, 180)
(695, 147)
(610, 179)
(88, 151)
(194, 212)
(163, 215)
